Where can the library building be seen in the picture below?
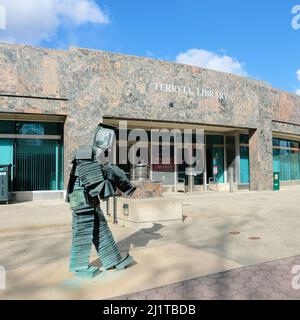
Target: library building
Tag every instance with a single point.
(51, 102)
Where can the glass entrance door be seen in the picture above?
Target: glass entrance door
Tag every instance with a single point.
(215, 158)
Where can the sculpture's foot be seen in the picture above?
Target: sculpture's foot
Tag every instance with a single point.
(89, 272)
(124, 263)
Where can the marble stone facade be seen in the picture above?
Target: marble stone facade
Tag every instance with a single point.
(147, 189)
(86, 85)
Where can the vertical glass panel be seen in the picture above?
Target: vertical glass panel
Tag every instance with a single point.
(37, 165)
(276, 160)
(61, 166)
(244, 165)
(285, 165)
(276, 142)
(218, 162)
(181, 172)
(198, 180)
(165, 171)
(215, 164)
(7, 152)
(215, 158)
(295, 174)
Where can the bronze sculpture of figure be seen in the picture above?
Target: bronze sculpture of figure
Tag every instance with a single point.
(92, 179)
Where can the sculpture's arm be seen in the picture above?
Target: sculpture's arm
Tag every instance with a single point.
(121, 181)
(72, 180)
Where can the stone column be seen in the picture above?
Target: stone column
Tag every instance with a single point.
(79, 131)
(261, 157)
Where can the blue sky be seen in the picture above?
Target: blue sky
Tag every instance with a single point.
(256, 37)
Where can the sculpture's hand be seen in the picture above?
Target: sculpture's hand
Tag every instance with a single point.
(121, 181)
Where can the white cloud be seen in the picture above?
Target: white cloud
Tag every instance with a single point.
(207, 59)
(298, 74)
(81, 11)
(31, 21)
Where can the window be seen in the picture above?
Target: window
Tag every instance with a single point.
(37, 161)
(244, 159)
(286, 159)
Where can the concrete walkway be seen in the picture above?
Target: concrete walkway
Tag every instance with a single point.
(220, 232)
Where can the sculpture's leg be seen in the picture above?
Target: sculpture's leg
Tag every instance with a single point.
(82, 226)
(106, 246)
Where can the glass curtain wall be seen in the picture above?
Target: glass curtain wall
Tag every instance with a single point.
(35, 149)
(286, 159)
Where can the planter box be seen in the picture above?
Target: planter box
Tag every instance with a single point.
(143, 213)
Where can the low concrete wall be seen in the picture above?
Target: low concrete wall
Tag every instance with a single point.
(289, 183)
(143, 213)
(21, 196)
(222, 187)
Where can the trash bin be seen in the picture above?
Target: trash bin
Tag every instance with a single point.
(5, 183)
(276, 181)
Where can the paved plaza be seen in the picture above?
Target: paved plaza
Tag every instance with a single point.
(240, 245)
(270, 280)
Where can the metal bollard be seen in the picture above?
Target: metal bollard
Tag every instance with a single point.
(115, 210)
(190, 182)
(107, 207)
